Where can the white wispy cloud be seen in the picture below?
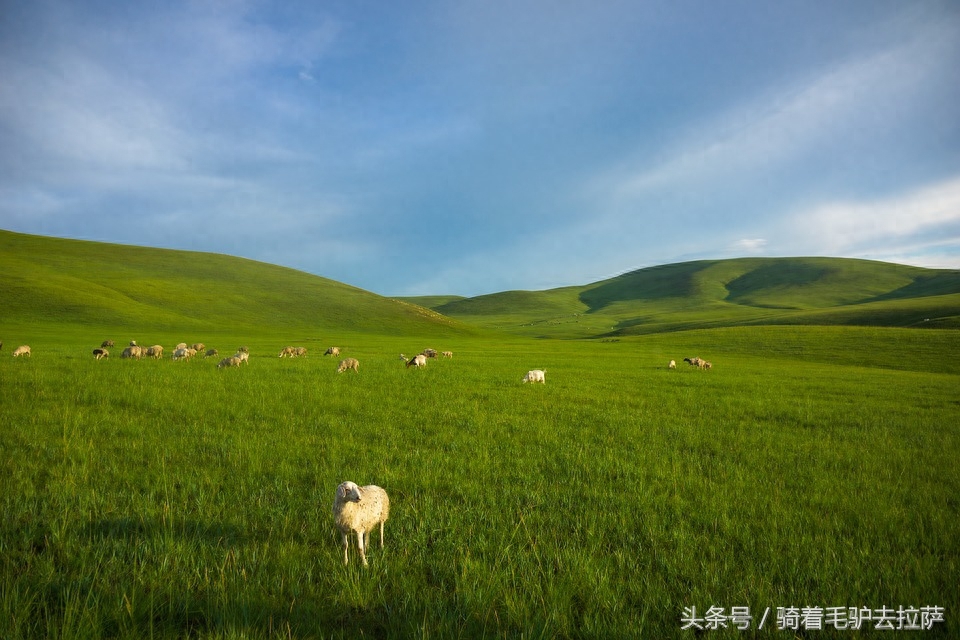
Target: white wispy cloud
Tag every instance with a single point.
(911, 223)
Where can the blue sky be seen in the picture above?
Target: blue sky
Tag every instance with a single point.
(476, 146)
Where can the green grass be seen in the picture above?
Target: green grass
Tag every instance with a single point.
(162, 499)
(814, 465)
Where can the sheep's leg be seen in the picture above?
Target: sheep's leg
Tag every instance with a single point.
(363, 553)
(346, 543)
(381, 534)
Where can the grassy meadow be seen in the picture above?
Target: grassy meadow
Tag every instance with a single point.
(811, 467)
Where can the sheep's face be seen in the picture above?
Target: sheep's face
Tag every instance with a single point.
(349, 491)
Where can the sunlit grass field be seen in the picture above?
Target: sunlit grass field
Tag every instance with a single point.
(811, 467)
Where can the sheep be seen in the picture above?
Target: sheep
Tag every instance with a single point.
(106, 343)
(418, 360)
(211, 353)
(133, 351)
(182, 345)
(447, 354)
(349, 363)
(198, 346)
(101, 353)
(133, 343)
(155, 352)
(536, 375)
(704, 365)
(430, 353)
(22, 350)
(244, 356)
(286, 351)
(360, 510)
(300, 352)
(693, 362)
(672, 364)
(232, 361)
(184, 354)
(243, 350)
(332, 351)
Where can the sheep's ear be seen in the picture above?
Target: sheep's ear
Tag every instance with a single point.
(342, 491)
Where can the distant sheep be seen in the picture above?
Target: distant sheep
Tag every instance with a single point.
(693, 362)
(155, 352)
(349, 363)
(184, 354)
(672, 364)
(244, 349)
(106, 343)
(360, 510)
(418, 360)
(133, 351)
(430, 353)
(232, 361)
(198, 346)
(286, 351)
(22, 350)
(300, 352)
(101, 353)
(332, 351)
(133, 343)
(705, 365)
(536, 375)
(243, 355)
(447, 354)
(211, 353)
(182, 345)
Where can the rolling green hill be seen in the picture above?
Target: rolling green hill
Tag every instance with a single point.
(51, 281)
(717, 293)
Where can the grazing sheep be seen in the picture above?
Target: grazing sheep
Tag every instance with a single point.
(430, 353)
(198, 346)
(101, 353)
(672, 364)
(155, 352)
(184, 354)
(536, 375)
(286, 351)
(211, 353)
(106, 343)
(332, 351)
(232, 361)
(693, 362)
(132, 351)
(182, 345)
(705, 365)
(360, 510)
(349, 363)
(22, 350)
(133, 343)
(300, 352)
(447, 354)
(418, 360)
(243, 355)
(244, 349)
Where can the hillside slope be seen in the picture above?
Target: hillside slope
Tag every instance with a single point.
(716, 293)
(57, 281)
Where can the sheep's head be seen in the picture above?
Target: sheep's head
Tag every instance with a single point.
(349, 492)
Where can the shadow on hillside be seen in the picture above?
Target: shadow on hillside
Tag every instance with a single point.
(650, 285)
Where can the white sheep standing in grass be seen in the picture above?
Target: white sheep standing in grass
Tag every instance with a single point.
(418, 360)
(672, 364)
(349, 363)
(360, 510)
(447, 354)
(243, 354)
(232, 361)
(22, 350)
(332, 351)
(536, 375)
(101, 353)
